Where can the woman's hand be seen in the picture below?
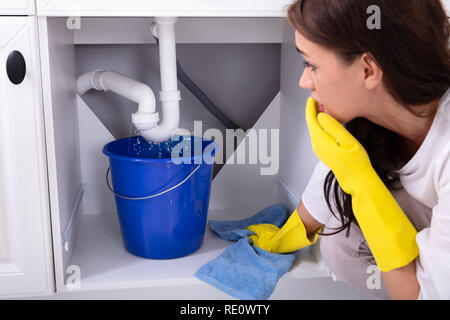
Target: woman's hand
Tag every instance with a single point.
(389, 233)
(291, 237)
(337, 148)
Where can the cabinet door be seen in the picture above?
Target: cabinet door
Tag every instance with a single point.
(25, 247)
(17, 7)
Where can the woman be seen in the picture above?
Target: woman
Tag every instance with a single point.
(379, 120)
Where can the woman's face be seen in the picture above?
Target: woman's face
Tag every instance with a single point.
(340, 89)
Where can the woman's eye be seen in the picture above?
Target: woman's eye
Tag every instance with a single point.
(307, 65)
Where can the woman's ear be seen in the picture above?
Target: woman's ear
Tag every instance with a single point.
(372, 71)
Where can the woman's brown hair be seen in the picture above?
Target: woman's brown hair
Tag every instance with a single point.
(411, 47)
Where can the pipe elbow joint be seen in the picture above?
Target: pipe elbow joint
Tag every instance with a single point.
(163, 131)
(158, 134)
(145, 120)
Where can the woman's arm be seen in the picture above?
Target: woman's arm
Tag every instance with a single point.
(311, 224)
(402, 283)
(428, 276)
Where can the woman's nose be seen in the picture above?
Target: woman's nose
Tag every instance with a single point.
(306, 81)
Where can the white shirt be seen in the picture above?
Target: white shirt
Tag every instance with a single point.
(426, 180)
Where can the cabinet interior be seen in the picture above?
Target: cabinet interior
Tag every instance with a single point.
(245, 65)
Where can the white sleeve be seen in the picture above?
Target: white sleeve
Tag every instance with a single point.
(313, 197)
(433, 263)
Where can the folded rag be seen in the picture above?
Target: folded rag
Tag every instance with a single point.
(243, 270)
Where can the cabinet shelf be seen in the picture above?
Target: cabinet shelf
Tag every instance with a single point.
(105, 264)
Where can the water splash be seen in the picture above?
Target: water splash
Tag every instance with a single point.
(129, 137)
(139, 147)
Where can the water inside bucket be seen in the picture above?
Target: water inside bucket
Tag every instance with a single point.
(175, 148)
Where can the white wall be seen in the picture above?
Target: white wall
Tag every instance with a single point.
(297, 160)
(241, 79)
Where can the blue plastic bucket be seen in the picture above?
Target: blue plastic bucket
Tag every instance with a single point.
(162, 204)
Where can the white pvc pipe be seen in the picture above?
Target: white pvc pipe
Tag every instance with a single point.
(146, 119)
(130, 89)
(169, 95)
(167, 53)
(84, 83)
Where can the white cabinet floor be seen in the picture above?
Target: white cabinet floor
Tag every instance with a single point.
(109, 271)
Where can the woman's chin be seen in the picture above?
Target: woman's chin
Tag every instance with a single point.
(324, 110)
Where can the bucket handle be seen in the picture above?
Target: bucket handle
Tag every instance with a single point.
(148, 197)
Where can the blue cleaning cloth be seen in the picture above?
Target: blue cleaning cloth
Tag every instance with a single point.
(243, 270)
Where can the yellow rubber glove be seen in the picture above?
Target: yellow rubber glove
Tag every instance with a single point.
(291, 237)
(389, 234)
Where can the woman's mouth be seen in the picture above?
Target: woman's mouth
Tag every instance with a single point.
(321, 107)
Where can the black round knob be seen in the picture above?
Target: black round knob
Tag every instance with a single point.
(16, 67)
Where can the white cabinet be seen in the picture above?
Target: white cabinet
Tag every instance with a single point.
(57, 170)
(17, 7)
(25, 247)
